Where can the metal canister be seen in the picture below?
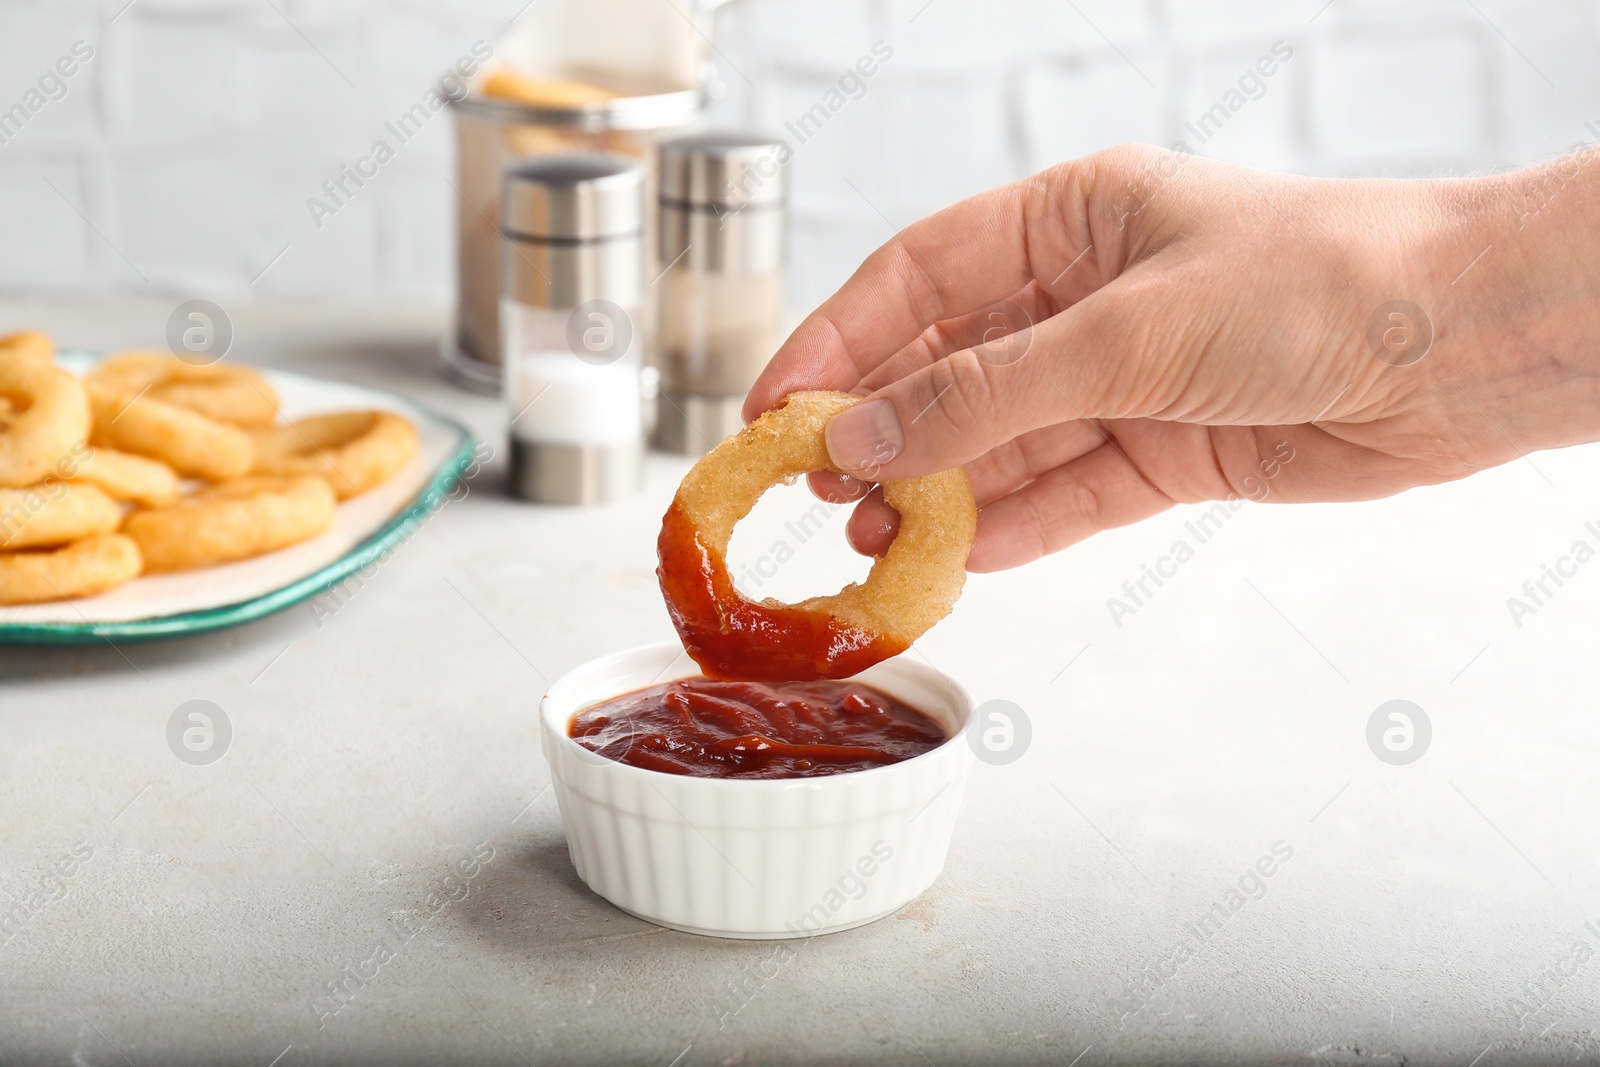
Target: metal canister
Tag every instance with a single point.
(719, 301)
(492, 134)
(572, 339)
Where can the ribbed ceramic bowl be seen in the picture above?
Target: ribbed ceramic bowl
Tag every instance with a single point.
(774, 858)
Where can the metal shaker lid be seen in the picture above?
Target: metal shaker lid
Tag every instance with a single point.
(723, 169)
(590, 197)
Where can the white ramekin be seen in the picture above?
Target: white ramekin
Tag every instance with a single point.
(788, 857)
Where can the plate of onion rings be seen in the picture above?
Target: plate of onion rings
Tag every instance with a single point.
(144, 496)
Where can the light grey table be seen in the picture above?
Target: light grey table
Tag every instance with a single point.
(1443, 911)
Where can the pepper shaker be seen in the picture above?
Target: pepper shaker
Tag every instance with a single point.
(720, 294)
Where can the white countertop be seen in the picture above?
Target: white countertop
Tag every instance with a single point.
(380, 737)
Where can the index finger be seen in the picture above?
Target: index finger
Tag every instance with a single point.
(972, 254)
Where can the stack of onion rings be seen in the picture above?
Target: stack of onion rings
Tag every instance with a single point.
(910, 588)
(154, 418)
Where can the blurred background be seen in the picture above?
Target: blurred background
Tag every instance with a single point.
(178, 160)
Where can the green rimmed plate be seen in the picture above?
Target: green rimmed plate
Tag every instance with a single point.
(194, 602)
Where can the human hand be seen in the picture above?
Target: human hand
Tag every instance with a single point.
(1141, 328)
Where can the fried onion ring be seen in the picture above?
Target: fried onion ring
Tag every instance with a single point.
(128, 477)
(231, 521)
(353, 451)
(190, 443)
(54, 513)
(910, 588)
(225, 392)
(80, 569)
(46, 415)
(28, 344)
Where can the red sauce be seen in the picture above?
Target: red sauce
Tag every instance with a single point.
(731, 637)
(713, 729)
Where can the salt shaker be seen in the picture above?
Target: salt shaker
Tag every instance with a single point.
(571, 327)
(720, 294)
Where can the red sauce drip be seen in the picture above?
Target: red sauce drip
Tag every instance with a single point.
(734, 638)
(713, 729)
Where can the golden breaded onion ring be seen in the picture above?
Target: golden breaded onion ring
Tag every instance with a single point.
(353, 451)
(28, 344)
(125, 476)
(222, 391)
(83, 568)
(53, 513)
(46, 417)
(231, 521)
(190, 443)
(910, 588)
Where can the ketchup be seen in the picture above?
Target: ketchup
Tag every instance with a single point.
(731, 637)
(717, 729)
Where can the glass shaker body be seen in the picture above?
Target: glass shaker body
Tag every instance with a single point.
(717, 331)
(571, 329)
(720, 296)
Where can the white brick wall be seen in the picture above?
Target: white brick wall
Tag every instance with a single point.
(180, 159)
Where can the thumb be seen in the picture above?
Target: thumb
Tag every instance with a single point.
(962, 406)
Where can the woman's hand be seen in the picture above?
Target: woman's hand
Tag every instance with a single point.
(1141, 328)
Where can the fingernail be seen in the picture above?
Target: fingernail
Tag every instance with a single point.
(864, 438)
